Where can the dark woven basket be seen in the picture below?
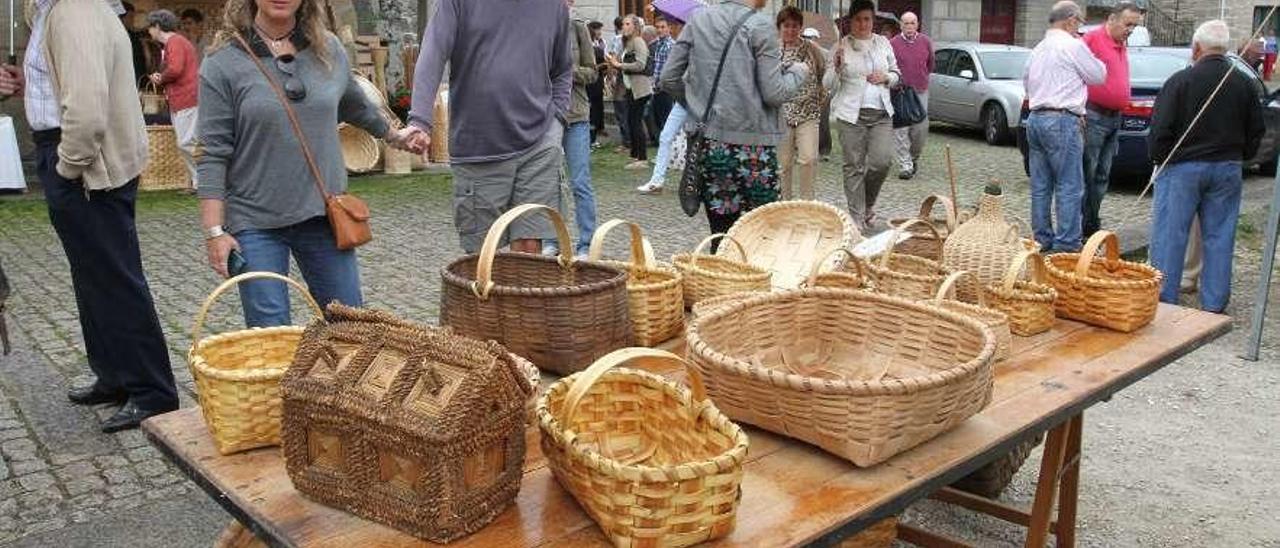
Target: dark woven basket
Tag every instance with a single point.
(558, 313)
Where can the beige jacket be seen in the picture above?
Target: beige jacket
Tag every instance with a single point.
(104, 140)
(848, 84)
(641, 84)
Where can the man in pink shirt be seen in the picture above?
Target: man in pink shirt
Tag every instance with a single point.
(1102, 111)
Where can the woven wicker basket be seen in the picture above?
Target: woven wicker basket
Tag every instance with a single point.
(360, 151)
(396, 161)
(237, 374)
(654, 291)
(1111, 293)
(857, 277)
(862, 375)
(928, 243)
(992, 318)
(654, 464)
(165, 169)
(906, 276)
(787, 238)
(707, 276)
(559, 314)
(985, 244)
(152, 98)
(440, 129)
(1028, 304)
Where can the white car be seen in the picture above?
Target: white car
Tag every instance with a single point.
(979, 86)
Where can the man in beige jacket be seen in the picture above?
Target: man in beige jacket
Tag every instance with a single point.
(82, 104)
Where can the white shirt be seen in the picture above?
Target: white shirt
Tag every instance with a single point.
(38, 96)
(1060, 69)
(871, 96)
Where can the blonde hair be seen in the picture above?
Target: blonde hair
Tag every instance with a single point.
(238, 15)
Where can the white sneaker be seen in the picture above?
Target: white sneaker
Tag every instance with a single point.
(650, 188)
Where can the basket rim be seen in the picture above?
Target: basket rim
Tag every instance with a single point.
(620, 277)
(873, 264)
(1069, 276)
(1040, 293)
(684, 261)
(201, 366)
(673, 277)
(735, 366)
(733, 457)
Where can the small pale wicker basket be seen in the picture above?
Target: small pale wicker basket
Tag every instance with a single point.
(654, 291)
(708, 276)
(907, 276)
(1027, 303)
(928, 243)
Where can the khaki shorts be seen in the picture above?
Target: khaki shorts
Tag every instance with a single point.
(483, 191)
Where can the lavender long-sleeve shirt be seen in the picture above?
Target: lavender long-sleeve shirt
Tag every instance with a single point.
(510, 75)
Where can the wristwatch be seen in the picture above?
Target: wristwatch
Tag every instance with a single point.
(216, 231)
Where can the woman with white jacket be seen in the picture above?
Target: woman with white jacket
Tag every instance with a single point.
(863, 70)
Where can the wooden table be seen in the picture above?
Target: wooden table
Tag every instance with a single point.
(793, 493)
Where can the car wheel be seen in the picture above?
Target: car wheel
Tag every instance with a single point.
(995, 125)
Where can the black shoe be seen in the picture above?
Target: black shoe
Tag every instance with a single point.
(93, 395)
(129, 417)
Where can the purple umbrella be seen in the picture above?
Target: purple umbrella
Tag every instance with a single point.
(678, 9)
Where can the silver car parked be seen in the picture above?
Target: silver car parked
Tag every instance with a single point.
(978, 86)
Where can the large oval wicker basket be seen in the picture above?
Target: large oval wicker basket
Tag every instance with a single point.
(928, 243)
(709, 276)
(1027, 303)
(787, 238)
(862, 375)
(654, 291)
(237, 374)
(654, 464)
(1111, 293)
(559, 314)
(360, 151)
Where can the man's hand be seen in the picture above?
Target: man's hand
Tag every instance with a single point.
(12, 80)
(219, 249)
(406, 139)
(419, 143)
(877, 78)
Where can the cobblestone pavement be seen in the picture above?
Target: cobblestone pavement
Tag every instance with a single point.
(58, 472)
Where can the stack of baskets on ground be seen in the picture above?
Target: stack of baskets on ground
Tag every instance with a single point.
(655, 291)
(165, 169)
(653, 463)
(710, 276)
(787, 238)
(560, 314)
(862, 375)
(407, 425)
(1107, 292)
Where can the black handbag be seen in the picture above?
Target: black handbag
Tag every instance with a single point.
(691, 183)
(907, 108)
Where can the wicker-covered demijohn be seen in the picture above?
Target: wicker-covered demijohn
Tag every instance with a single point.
(410, 426)
(654, 464)
(654, 290)
(928, 243)
(985, 244)
(788, 238)
(558, 313)
(1027, 303)
(710, 276)
(862, 375)
(237, 374)
(1107, 292)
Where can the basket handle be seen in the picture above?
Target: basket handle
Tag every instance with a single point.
(588, 378)
(484, 266)
(231, 282)
(1015, 268)
(902, 227)
(640, 256)
(947, 288)
(926, 209)
(817, 267)
(1016, 229)
(693, 259)
(1091, 249)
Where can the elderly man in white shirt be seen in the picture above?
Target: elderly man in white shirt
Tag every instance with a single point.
(1061, 67)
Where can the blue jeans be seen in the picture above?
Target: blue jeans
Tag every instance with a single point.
(1101, 141)
(331, 274)
(670, 130)
(1184, 189)
(577, 160)
(1056, 150)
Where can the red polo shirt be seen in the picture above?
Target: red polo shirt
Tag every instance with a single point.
(1114, 93)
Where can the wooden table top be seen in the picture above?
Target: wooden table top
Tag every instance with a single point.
(792, 493)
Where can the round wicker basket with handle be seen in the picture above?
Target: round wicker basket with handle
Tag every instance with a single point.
(1107, 292)
(907, 276)
(653, 463)
(654, 291)
(992, 318)
(928, 243)
(237, 374)
(862, 375)
(360, 151)
(707, 276)
(1027, 303)
(787, 238)
(558, 313)
(153, 101)
(844, 277)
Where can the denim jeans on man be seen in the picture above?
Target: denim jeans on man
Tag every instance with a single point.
(1101, 141)
(331, 274)
(1055, 153)
(577, 160)
(1211, 189)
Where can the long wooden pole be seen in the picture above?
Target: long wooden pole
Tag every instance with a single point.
(951, 174)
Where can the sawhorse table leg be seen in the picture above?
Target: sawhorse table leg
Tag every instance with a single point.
(1059, 479)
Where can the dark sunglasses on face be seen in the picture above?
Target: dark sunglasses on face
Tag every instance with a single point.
(294, 89)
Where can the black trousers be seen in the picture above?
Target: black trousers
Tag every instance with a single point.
(662, 103)
(122, 334)
(635, 124)
(595, 93)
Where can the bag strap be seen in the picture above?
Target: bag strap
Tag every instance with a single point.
(724, 54)
(293, 118)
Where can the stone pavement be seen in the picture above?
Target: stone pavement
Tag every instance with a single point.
(63, 482)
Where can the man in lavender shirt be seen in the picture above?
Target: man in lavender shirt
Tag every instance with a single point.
(914, 51)
(1060, 68)
(510, 78)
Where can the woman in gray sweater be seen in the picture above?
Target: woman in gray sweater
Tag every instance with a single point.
(257, 193)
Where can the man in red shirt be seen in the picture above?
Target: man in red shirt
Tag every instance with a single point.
(180, 77)
(914, 52)
(1102, 112)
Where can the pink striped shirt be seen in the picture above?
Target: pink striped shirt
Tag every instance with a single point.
(1059, 72)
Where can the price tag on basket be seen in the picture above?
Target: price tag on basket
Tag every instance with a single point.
(879, 243)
